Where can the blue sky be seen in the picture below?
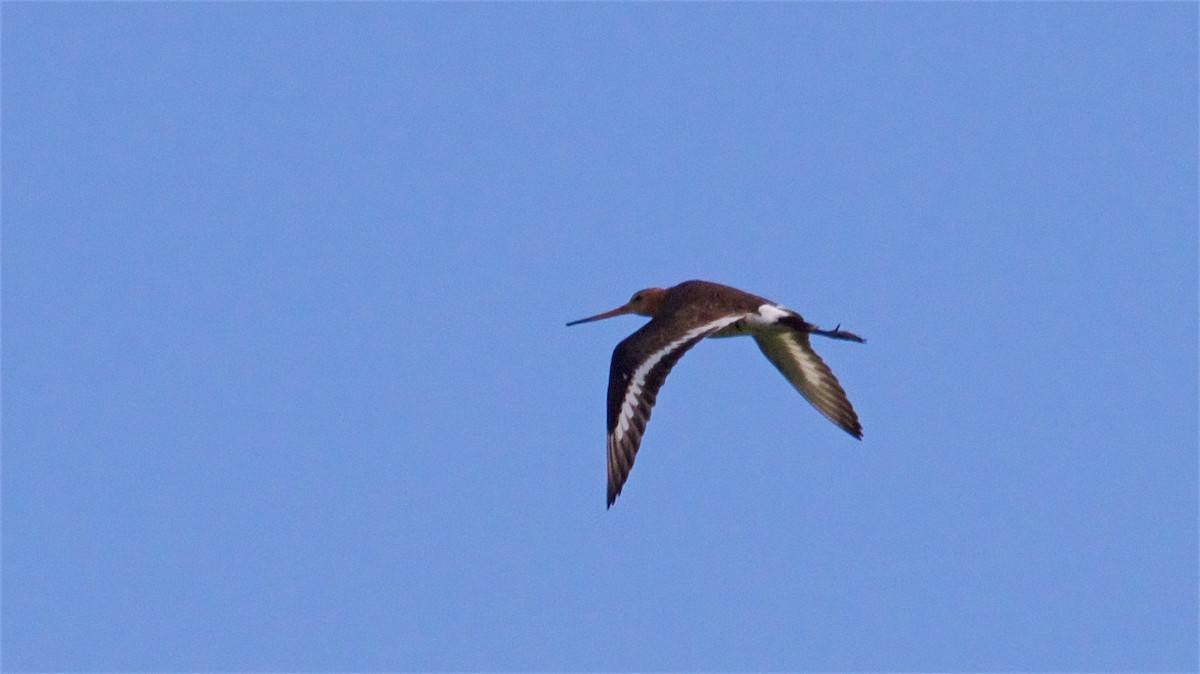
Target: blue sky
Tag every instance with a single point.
(286, 382)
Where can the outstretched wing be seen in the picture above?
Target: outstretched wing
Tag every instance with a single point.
(792, 353)
(640, 365)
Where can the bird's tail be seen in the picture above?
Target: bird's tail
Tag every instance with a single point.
(799, 323)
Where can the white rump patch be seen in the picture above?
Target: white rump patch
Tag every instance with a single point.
(767, 314)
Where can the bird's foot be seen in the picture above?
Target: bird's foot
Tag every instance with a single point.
(838, 333)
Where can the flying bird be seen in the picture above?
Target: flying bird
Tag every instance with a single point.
(683, 315)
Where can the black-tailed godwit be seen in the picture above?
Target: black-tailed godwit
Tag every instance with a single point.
(683, 315)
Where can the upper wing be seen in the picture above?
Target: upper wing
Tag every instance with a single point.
(640, 365)
(791, 352)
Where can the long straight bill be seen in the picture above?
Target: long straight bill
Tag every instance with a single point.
(608, 314)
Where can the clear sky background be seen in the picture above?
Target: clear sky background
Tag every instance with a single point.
(286, 382)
